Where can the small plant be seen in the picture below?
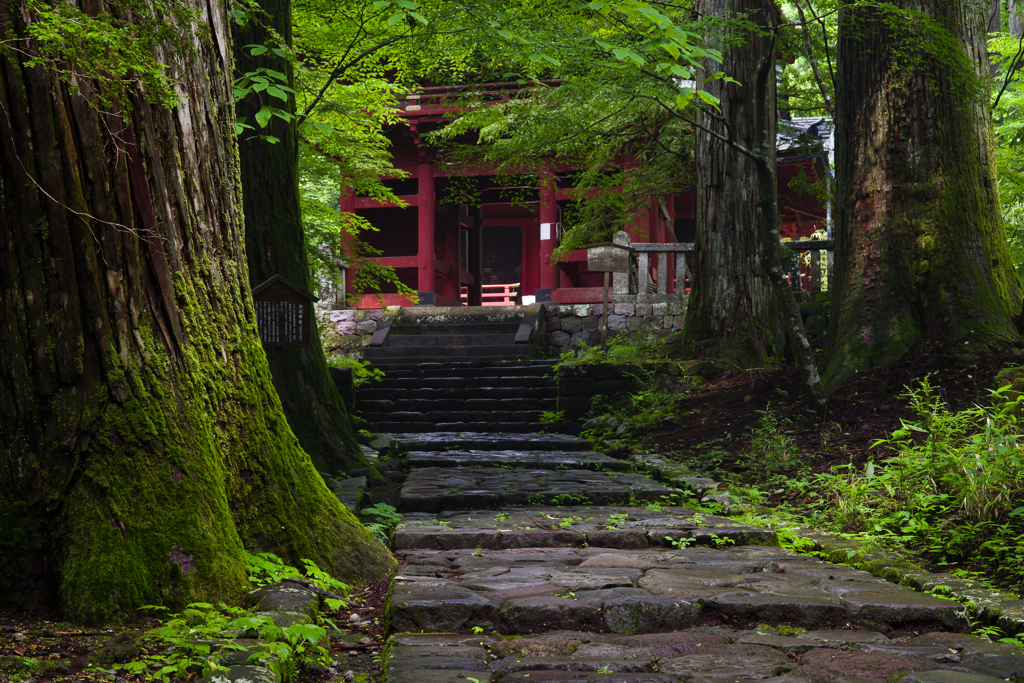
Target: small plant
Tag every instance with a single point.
(552, 417)
(680, 543)
(605, 670)
(722, 542)
(183, 643)
(362, 371)
(616, 520)
(477, 629)
(564, 499)
(388, 519)
(479, 552)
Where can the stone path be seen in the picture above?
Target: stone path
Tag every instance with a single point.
(530, 557)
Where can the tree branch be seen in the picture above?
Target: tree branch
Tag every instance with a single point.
(812, 60)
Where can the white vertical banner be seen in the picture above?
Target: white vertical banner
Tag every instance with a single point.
(545, 231)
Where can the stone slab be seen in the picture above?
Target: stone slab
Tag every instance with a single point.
(440, 441)
(434, 489)
(524, 459)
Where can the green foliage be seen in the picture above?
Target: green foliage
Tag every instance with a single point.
(388, 519)
(115, 48)
(680, 543)
(552, 417)
(267, 568)
(616, 520)
(952, 487)
(201, 636)
(772, 451)
(363, 372)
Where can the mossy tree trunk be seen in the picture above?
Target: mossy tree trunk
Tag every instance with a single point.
(744, 135)
(275, 245)
(143, 444)
(920, 246)
(732, 314)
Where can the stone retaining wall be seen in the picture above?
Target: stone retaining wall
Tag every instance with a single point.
(579, 324)
(346, 332)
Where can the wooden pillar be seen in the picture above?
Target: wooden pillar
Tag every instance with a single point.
(548, 236)
(475, 260)
(425, 224)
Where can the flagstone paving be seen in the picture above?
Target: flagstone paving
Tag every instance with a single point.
(530, 557)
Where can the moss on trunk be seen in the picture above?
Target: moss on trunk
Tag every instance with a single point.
(275, 245)
(144, 445)
(920, 245)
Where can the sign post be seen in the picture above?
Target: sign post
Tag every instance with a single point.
(607, 259)
(283, 312)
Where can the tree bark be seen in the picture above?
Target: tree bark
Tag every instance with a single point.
(275, 244)
(1015, 18)
(732, 313)
(143, 444)
(920, 245)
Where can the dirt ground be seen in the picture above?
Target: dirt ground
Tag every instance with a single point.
(41, 636)
(722, 413)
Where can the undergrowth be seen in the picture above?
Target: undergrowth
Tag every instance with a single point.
(948, 485)
(199, 640)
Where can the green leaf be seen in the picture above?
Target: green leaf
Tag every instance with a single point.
(1018, 512)
(274, 91)
(708, 98)
(395, 18)
(323, 127)
(263, 116)
(271, 139)
(418, 17)
(684, 98)
(256, 50)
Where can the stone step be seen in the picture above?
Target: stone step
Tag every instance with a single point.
(461, 315)
(504, 369)
(375, 353)
(449, 416)
(550, 460)
(435, 489)
(399, 428)
(500, 366)
(450, 338)
(422, 405)
(458, 393)
(404, 328)
(462, 382)
(660, 590)
(689, 655)
(492, 442)
(623, 528)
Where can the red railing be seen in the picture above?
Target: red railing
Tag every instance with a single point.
(496, 295)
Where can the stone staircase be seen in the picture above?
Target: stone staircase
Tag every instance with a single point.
(528, 556)
(461, 396)
(532, 557)
(423, 334)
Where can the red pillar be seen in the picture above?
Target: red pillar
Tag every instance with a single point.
(347, 204)
(548, 236)
(425, 223)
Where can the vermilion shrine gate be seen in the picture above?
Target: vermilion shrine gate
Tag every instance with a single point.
(499, 250)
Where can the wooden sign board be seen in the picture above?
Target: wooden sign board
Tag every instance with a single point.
(608, 258)
(283, 312)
